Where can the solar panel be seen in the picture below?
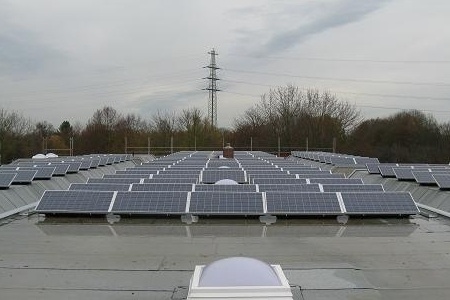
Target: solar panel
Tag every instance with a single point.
(442, 180)
(167, 203)
(353, 188)
(74, 167)
(386, 171)
(372, 168)
(366, 160)
(216, 175)
(162, 187)
(76, 202)
(171, 180)
(22, 176)
(276, 175)
(114, 180)
(136, 172)
(99, 187)
(336, 180)
(426, 177)
(85, 165)
(243, 188)
(169, 175)
(278, 181)
(288, 188)
(42, 172)
(125, 176)
(6, 179)
(385, 203)
(60, 169)
(323, 175)
(342, 161)
(280, 203)
(226, 203)
(404, 174)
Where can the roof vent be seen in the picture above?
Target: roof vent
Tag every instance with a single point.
(239, 278)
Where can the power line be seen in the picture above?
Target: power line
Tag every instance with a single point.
(354, 93)
(343, 79)
(347, 60)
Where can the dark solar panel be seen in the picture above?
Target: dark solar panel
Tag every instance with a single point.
(6, 179)
(336, 180)
(60, 169)
(99, 187)
(42, 172)
(114, 180)
(342, 161)
(85, 165)
(216, 175)
(323, 175)
(162, 187)
(302, 203)
(278, 181)
(372, 168)
(386, 203)
(167, 203)
(426, 177)
(74, 167)
(126, 176)
(404, 174)
(366, 160)
(442, 180)
(136, 172)
(386, 171)
(242, 188)
(289, 187)
(226, 203)
(352, 187)
(86, 202)
(171, 180)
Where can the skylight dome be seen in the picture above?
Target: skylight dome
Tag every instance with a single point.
(238, 271)
(226, 182)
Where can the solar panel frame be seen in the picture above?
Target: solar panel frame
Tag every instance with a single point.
(150, 203)
(171, 180)
(226, 203)
(125, 176)
(6, 179)
(404, 174)
(387, 171)
(44, 173)
(313, 203)
(75, 202)
(379, 203)
(426, 177)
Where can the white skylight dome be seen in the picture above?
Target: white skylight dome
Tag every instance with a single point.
(226, 182)
(238, 271)
(51, 155)
(39, 156)
(239, 278)
(224, 167)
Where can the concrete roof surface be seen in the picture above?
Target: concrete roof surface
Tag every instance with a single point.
(154, 258)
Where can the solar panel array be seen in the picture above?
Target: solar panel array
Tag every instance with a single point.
(188, 183)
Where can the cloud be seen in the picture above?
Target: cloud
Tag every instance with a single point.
(294, 24)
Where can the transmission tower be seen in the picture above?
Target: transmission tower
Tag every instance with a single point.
(212, 88)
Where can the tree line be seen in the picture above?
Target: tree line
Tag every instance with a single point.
(288, 116)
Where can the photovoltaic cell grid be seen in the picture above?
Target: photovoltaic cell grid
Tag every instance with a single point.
(42, 172)
(302, 203)
(426, 177)
(323, 175)
(150, 203)
(236, 188)
(220, 203)
(6, 179)
(114, 180)
(289, 188)
(386, 203)
(404, 174)
(442, 180)
(278, 181)
(22, 176)
(353, 188)
(126, 176)
(86, 202)
(98, 187)
(209, 176)
(162, 187)
(336, 180)
(386, 171)
(171, 180)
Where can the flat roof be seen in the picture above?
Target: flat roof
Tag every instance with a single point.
(154, 258)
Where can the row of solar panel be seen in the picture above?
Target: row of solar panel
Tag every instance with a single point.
(231, 203)
(334, 159)
(24, 172)
(423, 174)
(186, 187)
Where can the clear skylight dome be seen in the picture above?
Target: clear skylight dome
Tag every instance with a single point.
(226, 182)
(224, 167)
(51, 155)
(238, 271)
(39, 156)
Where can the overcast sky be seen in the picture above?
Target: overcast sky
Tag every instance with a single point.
(62, 60)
